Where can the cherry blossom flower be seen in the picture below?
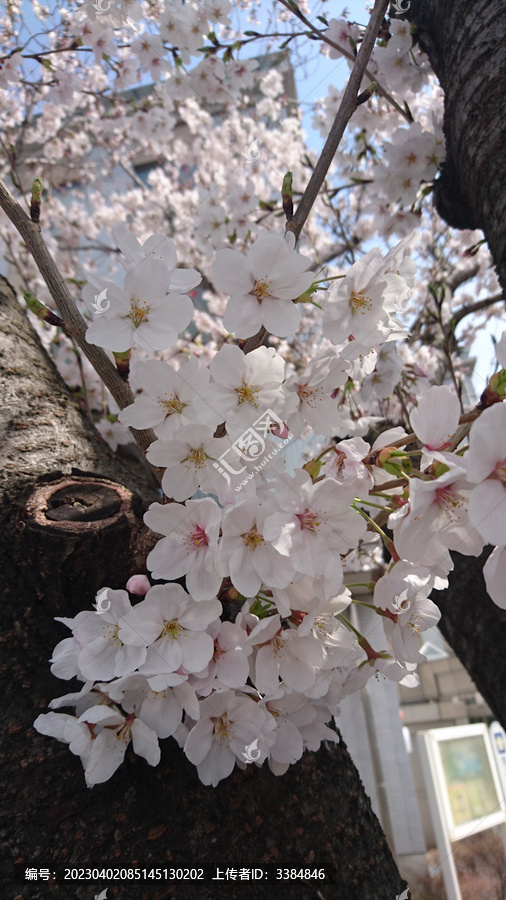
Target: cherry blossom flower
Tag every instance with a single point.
(340, 31)
(436, 417)
(339, 644)
(172, 627)
(360, 307)
(171, 399)
(150, 50)
(188, 461)
(247, 384)
(345, 465)
(314, 523)
(218, 10)
(300, 725)
(114, 433)
(158, 247)
(403, 674)
(9, 71)
(228, 723)
(102, 654)
(313, 726)
(162, 710)
(246, 555)
(67, 729)
(494, 572)
(284, 654)
(486, 466)
(189, 546)
(313, 389)
(355, 305)
(438, 506)
(312, 595)
(420, 615)
(263, 285)
(100, 39)
(402, 585)
(142, 313)
(109, 746)
(229, 667)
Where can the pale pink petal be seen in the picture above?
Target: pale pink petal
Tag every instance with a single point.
(494, 572)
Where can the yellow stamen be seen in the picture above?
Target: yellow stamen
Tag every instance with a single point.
(171, 630)
(172, 404)
(196, 458)
(246, 394)
(139, 311)
(359, 302)
(252, 539)
(262, 289)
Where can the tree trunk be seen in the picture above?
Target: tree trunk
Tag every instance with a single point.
(476, 629)
(466, 44)
(71, 522)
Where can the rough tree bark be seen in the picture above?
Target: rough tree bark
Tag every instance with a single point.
(70, 522)
(476, 629)
(466, 44)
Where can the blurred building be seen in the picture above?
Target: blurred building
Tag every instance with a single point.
(379, 726)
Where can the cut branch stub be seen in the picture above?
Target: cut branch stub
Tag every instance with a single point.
(80, 504)
(79, 534)
(83, 503)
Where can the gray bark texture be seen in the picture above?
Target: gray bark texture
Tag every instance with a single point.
(71, 522)
(476, 629)
(466, 44)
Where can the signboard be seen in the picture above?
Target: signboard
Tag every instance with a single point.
(463, 787)
(466, 776)
(498, 738)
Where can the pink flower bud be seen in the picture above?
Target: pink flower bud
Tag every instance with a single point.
(281, 431)
(138, 584)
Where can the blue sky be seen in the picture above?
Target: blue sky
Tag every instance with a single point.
(314, 78)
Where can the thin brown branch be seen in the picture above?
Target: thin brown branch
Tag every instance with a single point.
(475, 307)
(349, 55)
(346, 109)
(75, 325)
(461, 276)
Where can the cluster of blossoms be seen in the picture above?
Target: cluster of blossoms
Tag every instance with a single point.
(152, 307)
(402, 157)
(267, 685)
(256, 542)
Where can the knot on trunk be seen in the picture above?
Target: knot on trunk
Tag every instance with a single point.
(80, 504)
(83, 503)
